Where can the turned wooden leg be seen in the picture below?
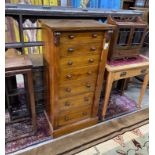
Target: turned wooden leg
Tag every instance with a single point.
(142, 91)
(32, 101)
(107, 93)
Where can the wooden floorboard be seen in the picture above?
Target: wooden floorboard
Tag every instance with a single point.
(85, 138)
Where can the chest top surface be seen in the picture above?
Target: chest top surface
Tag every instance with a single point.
(69, 24)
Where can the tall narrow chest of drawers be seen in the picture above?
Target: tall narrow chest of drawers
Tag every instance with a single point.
(75, 53)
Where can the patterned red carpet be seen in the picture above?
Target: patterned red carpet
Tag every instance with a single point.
(117, 105)
(17, 129)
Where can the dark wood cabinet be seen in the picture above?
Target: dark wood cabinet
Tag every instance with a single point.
(75, 53)
(127, 38)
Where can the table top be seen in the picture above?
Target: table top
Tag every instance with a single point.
(116, 65)
(14, 61)
(72, 24)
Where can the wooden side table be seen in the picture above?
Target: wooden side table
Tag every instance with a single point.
(21, 64)
(123, 71)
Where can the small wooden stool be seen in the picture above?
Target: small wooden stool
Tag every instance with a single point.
(123, 71)
(20, 64)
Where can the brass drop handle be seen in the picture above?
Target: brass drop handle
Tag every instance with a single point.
(84, 113)
(123, 74)
(86, 98)
(68, 89)
(67, 103)
(89, 72)
(91, 60)
(71, 36)
(94, 35)
(66, 118)
(88, 85)
(70, 49)
(68, 76)
(93, 48)
(143, 71)
(70, 62)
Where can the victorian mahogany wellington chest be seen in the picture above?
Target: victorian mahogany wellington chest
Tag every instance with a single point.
(127, 38)
(75, 53)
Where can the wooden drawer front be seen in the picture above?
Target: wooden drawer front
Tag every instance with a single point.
(130, 73)
(74, 116)
(76, 88)
(75, 101)
(80, 37)
(80, 49)
(69, 75)
(79, 61)
(126, 53)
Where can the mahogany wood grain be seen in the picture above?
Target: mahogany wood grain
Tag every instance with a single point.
(80, 61)
(101, 70)
(75, 25)
(32, 101)
(75, 50)
(74, 55)
(73, 102)
(75, 115)
(51, 60)
(75, 126)
(79, 87)
(80, 37)
(69, 75)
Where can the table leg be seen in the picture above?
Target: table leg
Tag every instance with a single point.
(107, 93)
(122, 85)
(32, 101)
(125, 85)
(142, 91)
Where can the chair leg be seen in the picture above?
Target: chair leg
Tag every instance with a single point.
(32, 101)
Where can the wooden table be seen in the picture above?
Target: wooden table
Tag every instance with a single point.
(21, 64)
(117, 72)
